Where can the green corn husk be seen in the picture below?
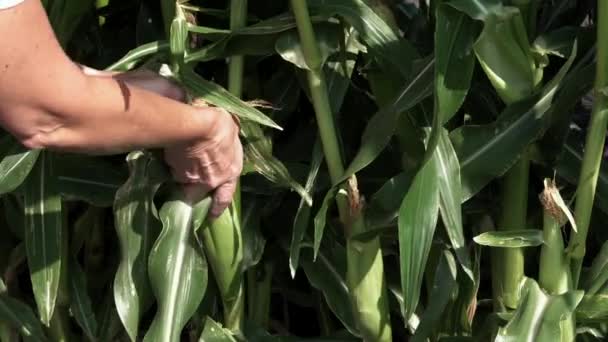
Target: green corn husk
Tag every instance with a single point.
(223, 238)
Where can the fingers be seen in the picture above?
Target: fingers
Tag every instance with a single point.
(222, 198)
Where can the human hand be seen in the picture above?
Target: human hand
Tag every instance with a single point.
(212, 164)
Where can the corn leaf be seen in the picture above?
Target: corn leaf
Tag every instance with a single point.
(454, 58)
(511, 238)
(541, 317)
(381, 126)
(254, 242)
(478, 9)
(214, 332)
(557, 43)
(16, 164)
(21, 317)
(597, 276)
(488, 151)
(301, 220)
(383, 42)
(133, 57)
(593, 308)
(417, 221)
(386, 201)
(327, 274)
(43, 234)
(137, 227)
(289, 48)
(449, 199)
(321, 217)
(177, 269)
(444, 285)
(80, 302)
(505, 54)
(212, 93)
(93, 180)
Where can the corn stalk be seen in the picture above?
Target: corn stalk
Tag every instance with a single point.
(504, 53)
(365, 268)
(594, 148)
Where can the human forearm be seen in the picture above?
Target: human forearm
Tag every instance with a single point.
(47, 101)
(116, 116)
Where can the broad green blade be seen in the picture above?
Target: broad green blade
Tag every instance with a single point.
(478, 9)
(381, 126)
(505, 54)
(43, 234)
(327, 274)
(593, 308)
(254, 241)
(383, 42)
(444, 285)
(137, 227)
(541, 318)
(385, 203)
(302, 217)
(80, 302)
(557, 43)
(321, 217)
(449, 199)
(17, 162)
(214, 332)
(257, 39)
(93, 180)
(133, 57)
(212, 93)
(177, 269)
(417, 221)
(328, 40)
(21, 317)
(486, 152)
(454, 58)
(511, 238)
(597, 276)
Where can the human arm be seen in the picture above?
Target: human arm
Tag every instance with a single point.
(48, 102)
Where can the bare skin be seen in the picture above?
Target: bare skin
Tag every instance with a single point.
(49, 102)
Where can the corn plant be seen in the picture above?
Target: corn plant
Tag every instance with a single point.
(414, 170)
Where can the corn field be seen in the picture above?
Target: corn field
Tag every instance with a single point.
(414, 171)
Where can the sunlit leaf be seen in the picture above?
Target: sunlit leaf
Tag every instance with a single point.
(541, 317)
(43, 234)
(137, 227)
(511, 238)
(177, 269)
(417, 221)
(16, 164)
